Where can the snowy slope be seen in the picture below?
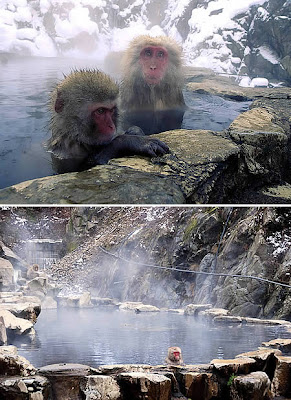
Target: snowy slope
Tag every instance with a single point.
(213, 33)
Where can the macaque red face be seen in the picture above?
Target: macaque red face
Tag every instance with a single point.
(103, 117)
(177, 355)
(154, 62)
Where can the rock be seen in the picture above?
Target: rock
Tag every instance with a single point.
(6, 273)
(282, 377)
(12, 364)
(254, 386)
(14, 325)
(198, 385)
(29, 311)
(266, 359)
(233, 366)
(213, 312)
(106, 184)
(130, 305)
(17, 388)
(146, 308)
(77, 300)
(49, 303)
(100, 388)
(282, 344)
(3, 334)
(65, 379)
(38, 284)
(228, 319)
(103, 301)
(145, 386)
(194, 309)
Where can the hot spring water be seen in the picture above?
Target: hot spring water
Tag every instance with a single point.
(108, 336)
(25, 84)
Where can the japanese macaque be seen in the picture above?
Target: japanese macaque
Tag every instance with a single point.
(84, 124)
(33, 271)
(174, 356)
(151, 88)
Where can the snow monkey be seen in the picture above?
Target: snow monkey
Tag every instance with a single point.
(174, 356)
(151, 89)
(84, 124)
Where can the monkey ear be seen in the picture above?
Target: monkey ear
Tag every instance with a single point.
(59, 104)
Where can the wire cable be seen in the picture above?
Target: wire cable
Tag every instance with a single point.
(187, 271)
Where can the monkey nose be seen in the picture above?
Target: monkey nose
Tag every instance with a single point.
(153, 67)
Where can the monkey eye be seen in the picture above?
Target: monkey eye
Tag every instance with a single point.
(160, 54)
(148, 52)
(100, 110)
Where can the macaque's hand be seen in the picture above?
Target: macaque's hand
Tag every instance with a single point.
(129, 145)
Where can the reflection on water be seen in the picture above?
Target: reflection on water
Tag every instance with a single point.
(210, 112)
(25, 84)
(104, 336)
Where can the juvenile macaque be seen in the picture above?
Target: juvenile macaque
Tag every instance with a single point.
(84, 124)
(151, 89)
(174, 356)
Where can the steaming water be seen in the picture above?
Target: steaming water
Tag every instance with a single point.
(106, 336)
(24, 87)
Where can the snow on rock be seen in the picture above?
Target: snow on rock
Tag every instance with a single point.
(259, 82)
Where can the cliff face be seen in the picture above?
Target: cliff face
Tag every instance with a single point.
(122, 248)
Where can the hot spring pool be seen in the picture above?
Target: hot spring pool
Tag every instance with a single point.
(25, 84)
(108, 336)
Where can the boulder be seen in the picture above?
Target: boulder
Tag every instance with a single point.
(254, 386)
(194, 309)
(75, 300)
(18, 388)
(49, 303)
(145, 386)
(29, 311)
(211, 313)
(6, 273)
(146, 308)
(100, 388)
(281, 383)
(282, 344)
(14, 325)
(198, 385)
(12, 364)
(65, 379)
(130, 305)
(3, 333)
(235, 366)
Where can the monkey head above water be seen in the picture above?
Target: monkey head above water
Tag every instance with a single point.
(174, 356)
(151, 89)
(84, 124)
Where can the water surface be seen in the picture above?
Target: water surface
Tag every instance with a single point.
(106, 336)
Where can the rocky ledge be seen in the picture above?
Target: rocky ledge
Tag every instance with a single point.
(247, 163)
(261, 374)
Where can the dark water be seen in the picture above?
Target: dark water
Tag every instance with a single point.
(25, 84)
(101, 336)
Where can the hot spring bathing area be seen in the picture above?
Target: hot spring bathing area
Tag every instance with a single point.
(102, 336)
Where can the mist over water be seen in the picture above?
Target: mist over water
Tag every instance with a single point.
(108, 336)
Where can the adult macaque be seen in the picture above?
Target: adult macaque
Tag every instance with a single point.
(33, 271)
(151, 89)
(84, 124)
(174, 356)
